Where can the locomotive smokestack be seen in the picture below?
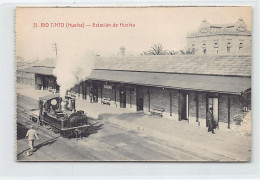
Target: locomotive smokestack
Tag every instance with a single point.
(122, 51)
(73, 105)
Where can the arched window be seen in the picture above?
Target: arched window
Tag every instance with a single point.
(240, 46)
(228, 47)
(216, 47)
(204, 49)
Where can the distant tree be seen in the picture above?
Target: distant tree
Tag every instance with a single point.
(188, 51)
(144, 53)
(172, 52)
(156, 49)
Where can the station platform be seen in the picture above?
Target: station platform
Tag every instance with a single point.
(225, 141)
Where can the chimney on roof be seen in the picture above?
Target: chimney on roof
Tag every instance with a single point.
(122, 51)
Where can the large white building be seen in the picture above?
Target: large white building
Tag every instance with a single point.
(221, 39)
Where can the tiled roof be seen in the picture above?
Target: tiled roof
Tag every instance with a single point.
(221, 84)
(48, 62)
(187, 64)
(38, 70)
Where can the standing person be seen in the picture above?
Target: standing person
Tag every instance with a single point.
(31, 134)
(91, 95)
(40, 103)
(210, 120)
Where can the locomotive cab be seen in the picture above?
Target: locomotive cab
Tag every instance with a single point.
(61, 114)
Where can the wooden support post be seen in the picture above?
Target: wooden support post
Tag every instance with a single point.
(218, 110)
(130, 96)
(207, 108)
(179, 106)
(101, 93)
(228, 111)
(115, 94)
(170, 102)
(149, 103)
(197, 107)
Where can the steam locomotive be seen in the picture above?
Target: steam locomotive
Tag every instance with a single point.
(61, 115)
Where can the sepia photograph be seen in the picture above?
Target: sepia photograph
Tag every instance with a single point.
(149, 84)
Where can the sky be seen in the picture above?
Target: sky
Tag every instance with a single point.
(166, 25)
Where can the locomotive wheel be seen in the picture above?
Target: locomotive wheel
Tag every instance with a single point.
(66, 134)
(84, 132)
(62, 134)
(55, 130)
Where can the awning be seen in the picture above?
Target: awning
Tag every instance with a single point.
(220, 84)
(39, 70)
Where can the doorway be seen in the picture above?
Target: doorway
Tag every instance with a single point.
(122, 98)
(94, 93)
(139, 98)
(184, 106)
(140, 106)
(213, 102)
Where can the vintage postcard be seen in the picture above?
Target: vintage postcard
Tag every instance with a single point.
(133, 83)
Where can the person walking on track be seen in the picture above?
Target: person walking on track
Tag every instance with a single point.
(31, 135)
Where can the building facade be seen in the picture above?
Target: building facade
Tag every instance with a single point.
(177, 95)
(214, 39)
(39, 75)
(180, 88)
(179, 105)
(26, 78)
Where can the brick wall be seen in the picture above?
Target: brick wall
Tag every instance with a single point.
(160, 98)
(133, 99)
(108, 93)
(236, 108)
(175, 106)
(25, 78)
(117, 92)
(192, 106)
(223, 107)
(128, 98)
(146, 99)
(202, 108)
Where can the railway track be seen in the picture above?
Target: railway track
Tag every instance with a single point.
(24, 121)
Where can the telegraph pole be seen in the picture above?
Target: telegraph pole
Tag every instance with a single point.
(54, 47)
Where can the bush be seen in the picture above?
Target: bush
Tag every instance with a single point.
(238, 119)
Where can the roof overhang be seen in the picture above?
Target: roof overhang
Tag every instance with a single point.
(207, 83)
(39, 70)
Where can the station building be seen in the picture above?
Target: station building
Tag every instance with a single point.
(221, 39)
(39, 75)
(180, 88)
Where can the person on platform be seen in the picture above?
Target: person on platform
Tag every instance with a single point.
(210, 121)
(31, 135)
(91, 95)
